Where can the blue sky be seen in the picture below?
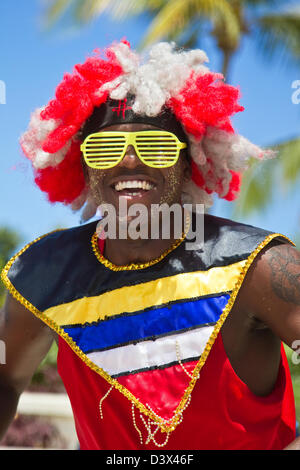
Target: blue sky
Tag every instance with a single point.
(32, 63)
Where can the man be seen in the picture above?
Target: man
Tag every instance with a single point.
(159, 346)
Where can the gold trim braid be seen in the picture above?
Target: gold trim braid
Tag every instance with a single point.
(164, 425)
(129, 267)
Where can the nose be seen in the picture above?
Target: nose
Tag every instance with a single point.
(130, 159)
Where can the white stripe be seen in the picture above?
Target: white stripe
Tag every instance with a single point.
(152, 353)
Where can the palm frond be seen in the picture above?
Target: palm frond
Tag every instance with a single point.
(87, 10)
(121, 9)
(290, 161)
(178, 14)
(279, 35)
(56, 10)
(261, 178)
(190, 39)
(260, 3)
(256, 191)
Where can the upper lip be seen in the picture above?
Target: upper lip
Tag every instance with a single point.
(137, 177)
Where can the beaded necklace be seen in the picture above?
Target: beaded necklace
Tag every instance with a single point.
(148, 425)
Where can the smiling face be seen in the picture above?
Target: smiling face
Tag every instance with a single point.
(133, 180)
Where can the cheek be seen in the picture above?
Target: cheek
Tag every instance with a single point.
(173, 186)
(96, 185)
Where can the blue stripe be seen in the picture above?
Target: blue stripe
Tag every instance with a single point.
(149, 324)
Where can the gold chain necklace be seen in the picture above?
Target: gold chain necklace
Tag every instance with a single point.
(132, 266)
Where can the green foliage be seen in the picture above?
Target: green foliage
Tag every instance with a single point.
(279, 35)
(294, 368)
(290, 161)
(262, 177)
(256, 189)
(82, 11)
(177, 16)
(46, 377)
(51, 356)
(57, 9)
(295, 374)
(9, 240)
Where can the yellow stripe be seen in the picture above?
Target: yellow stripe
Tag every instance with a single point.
(153, 293)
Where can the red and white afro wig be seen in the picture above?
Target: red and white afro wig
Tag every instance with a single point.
(176, 79)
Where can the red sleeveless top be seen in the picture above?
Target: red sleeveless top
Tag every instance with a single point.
(223, 413)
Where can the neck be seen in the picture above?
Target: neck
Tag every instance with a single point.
(122, 252)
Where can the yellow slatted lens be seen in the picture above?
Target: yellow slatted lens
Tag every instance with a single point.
(103, 150)
(159, 150)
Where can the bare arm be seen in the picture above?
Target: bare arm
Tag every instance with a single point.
(271, 292)
(26, 340)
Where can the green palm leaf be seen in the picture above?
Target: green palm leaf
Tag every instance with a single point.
(87, 10)
(279, 35)
(178, 14)
(290, 161)
(261, 178)
(82, 11)
(56, 10)
(256, 191)
(121, 9)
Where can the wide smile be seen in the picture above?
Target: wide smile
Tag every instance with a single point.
(133, 188)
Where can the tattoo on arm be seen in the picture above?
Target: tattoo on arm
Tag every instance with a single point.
(285, 267)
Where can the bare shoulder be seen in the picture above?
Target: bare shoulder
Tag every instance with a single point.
(282, 263)
(16, 315)
(271, 290)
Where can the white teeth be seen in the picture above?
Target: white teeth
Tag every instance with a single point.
(133, 185)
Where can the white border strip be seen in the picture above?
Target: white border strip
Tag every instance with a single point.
(152, 353)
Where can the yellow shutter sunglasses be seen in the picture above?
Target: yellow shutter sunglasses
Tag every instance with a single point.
(157, 149)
